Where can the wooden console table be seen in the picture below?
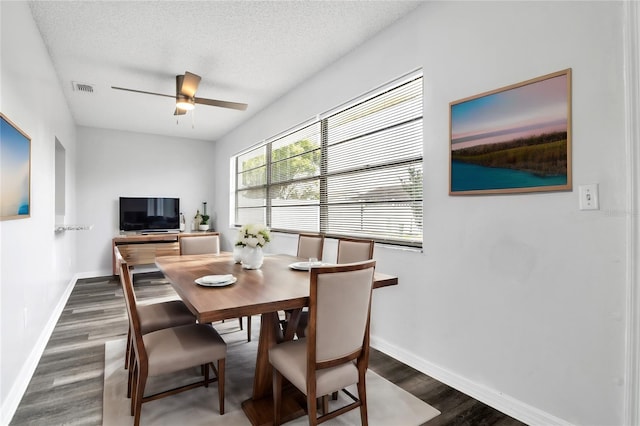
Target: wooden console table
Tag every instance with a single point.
(138, 249)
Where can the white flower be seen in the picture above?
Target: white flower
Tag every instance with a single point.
(253, 235)
(253, 229)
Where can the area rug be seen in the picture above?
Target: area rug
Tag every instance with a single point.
(387, 403)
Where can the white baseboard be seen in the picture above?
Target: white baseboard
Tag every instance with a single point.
(15, 394)
(93, 274)
(504, 403)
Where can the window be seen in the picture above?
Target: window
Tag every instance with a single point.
(356, 171)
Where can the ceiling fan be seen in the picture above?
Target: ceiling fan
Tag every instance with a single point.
(186, 86)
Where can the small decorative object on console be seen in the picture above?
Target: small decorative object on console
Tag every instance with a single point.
(197, 219)
(204, 224)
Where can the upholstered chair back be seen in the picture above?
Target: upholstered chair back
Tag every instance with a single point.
(342, 303)
(352, 250)
(199, 244)
(310, 245)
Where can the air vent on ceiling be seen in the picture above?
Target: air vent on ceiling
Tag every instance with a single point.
(82, 87)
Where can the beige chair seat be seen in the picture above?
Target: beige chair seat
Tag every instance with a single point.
(178, 348)
(290, 359)
(164, 315)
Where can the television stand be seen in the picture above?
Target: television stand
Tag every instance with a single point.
(139, 249)
(161, 231)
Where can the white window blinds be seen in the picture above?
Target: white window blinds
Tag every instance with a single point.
(356, 172)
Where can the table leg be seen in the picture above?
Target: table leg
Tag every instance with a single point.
(270, 335)
(292, 324)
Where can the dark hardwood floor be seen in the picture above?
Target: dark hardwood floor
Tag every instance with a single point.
(67, 385)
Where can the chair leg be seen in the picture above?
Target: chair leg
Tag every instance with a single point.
(142, 382)
(312, 408)
(205, 369)
(325, 404)
(221, 364)
(249, 328)
(240, 321)
(134, 386)
(277, 397)
(362, 395)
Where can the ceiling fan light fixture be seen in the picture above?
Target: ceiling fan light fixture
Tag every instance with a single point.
(186, 103)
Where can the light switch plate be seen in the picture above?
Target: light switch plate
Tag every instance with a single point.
(589, 199)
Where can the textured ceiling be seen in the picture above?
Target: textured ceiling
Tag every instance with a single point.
(245, 51)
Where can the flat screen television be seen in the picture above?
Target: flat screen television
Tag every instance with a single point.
(149, 214)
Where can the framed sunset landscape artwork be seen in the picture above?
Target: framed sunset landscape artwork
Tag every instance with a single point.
(514, 139)
(15, 171)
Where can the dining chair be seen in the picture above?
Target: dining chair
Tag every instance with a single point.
(155, 316)
(335, 354)
(354, 250)
(206, 244)
(170, 350)
(309, 246)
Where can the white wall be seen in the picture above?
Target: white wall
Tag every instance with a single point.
(112, 164)
(30, 296)
(632, 90)
(516, 299)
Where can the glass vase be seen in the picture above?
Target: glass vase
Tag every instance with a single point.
(252, 257)
(237, 254)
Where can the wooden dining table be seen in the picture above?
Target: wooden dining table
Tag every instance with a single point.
(265, 291)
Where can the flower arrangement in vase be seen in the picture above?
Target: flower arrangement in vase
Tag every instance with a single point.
(251, 239)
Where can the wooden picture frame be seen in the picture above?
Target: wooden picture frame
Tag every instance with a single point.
(15, 171)
(514, 139)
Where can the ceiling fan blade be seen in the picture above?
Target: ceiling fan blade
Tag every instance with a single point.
(142, 91)
(186, 86)
(179, 80)
(223, 104)
(190, 84)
